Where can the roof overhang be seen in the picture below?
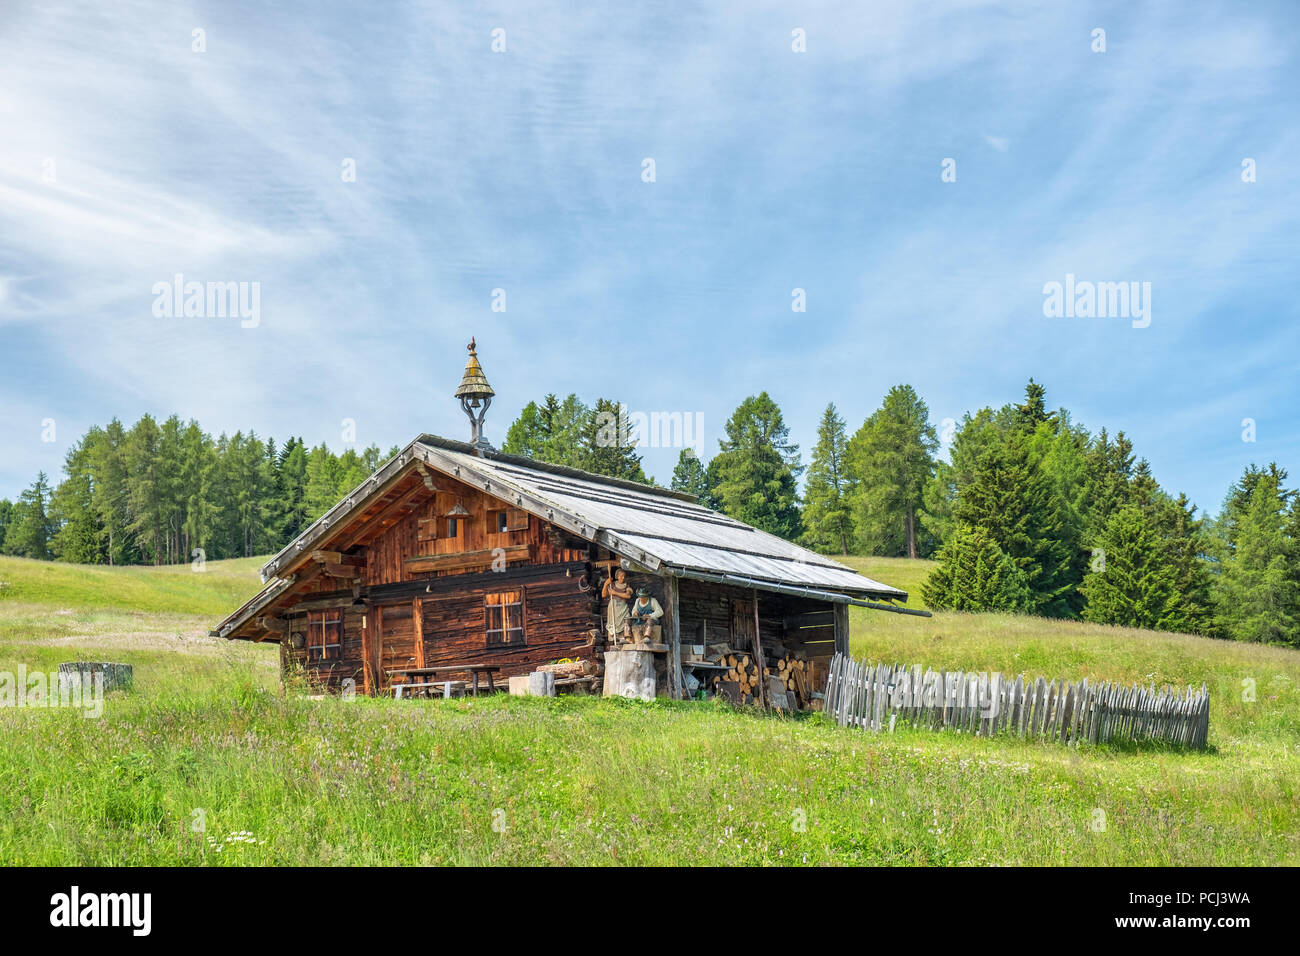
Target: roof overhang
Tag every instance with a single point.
(792, 590)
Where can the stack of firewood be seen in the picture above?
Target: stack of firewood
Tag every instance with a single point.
(793, 672)
(743, 672)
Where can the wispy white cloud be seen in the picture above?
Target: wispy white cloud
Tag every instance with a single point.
(522, 170)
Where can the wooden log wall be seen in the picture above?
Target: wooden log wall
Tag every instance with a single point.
(423, 531)
(559, 616)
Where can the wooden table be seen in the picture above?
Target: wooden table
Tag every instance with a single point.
(474, 669)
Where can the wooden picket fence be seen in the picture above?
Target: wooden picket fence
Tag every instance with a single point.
(859, 694)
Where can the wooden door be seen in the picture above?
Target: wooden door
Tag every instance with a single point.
(742, 624)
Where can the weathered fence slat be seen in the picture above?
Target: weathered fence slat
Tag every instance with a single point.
(877, 697)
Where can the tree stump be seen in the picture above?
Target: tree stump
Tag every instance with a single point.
(81, 676)
(630, 674)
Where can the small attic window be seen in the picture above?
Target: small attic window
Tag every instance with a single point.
(507, 520)
(453, 527)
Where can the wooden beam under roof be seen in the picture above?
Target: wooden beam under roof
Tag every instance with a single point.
(378, 524)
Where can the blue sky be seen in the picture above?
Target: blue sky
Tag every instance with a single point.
(126, 156)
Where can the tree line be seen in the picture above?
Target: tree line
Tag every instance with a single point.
(165, 493)
(1030, 512)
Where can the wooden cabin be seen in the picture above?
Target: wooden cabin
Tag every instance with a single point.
(455, 555)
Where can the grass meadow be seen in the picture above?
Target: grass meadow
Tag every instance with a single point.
(209, 761)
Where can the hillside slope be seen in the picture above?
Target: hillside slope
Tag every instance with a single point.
(580, 780)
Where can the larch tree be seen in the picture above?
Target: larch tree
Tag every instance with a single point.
(755, 472)
(891, 459)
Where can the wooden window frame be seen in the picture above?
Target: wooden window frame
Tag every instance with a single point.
(507, 633)
(507, 520)
(320, 627)
(453, 527)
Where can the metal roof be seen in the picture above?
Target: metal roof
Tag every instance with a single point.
(643, 523)
(654, 527)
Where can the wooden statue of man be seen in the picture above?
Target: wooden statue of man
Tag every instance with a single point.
(618, 592)
(646, 613)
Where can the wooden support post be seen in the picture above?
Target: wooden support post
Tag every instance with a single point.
(417, 620)
(367, 639)
(758, 656)
(841, 612)
(377, 647)
(674, 637)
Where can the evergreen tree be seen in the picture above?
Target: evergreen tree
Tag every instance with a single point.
(605, 446)
(352, 471)
(110, 493)
(1260, 597)
(975, 433)
(72, 511)
(1011, 499)
(29, 529)
(6, 514)
(891, 459)
(1133, 582)
(828, 525)
(690, 476)
(551, 432)
(372, 458)
(144, 488)
(974, 574)
(198, 461)
(291, 488)
(1186, 544)
(529, 434)
(322, 489)
(755, 471)
(1108, 476)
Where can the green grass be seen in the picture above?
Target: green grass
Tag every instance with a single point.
(179, 589)
(590, 781)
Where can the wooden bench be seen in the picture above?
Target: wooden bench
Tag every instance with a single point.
(474, 669)
(446, 686)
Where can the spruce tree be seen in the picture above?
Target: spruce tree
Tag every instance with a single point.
(292, 489)
(690, 476)
(605, 445)
(29, 530)
(828, 525)
(1186, 543)
(1132, 581)
(144, 489)
(1012, 500)
(1260, 596)
(322, 488)
(973, 574)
